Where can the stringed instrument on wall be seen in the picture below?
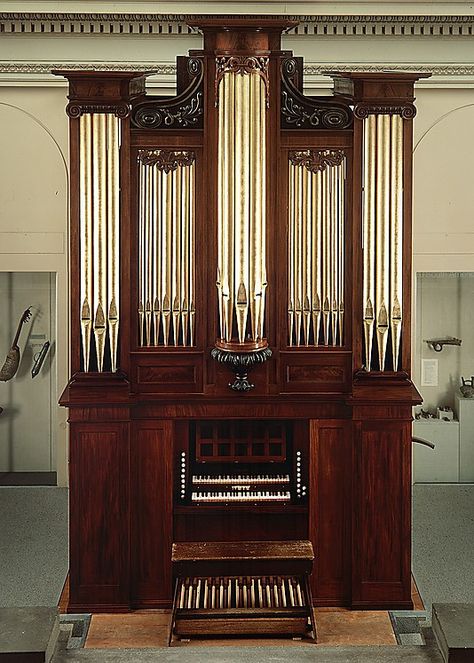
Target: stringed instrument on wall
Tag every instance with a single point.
(12, 360)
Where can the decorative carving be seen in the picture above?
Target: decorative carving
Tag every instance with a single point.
(240, 362)
(76, 109)
(301, 112)
(238, 64)
(166, 69)
(184, 111)
(363, 110)
(166, 160)
(316, 160)
(133, 24)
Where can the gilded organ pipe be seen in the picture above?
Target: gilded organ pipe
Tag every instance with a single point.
(382, 235)
(156, 251)
(306, 250)
(291, 254)
(316, 217)
(166, 294)
(340, 254)
(298, 257)
(99, 212)
(149, 256)
(334, 194)
(396, 235)
(241, 275)
(141, 248)
(113, 224)
(369, 216)
(316, 189)
(85, 186)
(260, 187)
(192, 234)
(185, 219)
(326, 256)
(166, 247)
(176, 249)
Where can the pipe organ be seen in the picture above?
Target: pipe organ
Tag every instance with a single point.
(240, 332)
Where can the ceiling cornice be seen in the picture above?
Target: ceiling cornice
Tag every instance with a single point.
(176, 24)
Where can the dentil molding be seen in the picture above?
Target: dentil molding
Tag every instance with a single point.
(176, 24)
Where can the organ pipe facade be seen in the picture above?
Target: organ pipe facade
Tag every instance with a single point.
(166, 310)
(241, 221)
(316, 248)
(382, 239)
(99, 141)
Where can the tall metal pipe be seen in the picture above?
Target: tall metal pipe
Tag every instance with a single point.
(396, 235)
(113, 225)
(99, 212)
(369, 216)
(382, 235)
(85, 214)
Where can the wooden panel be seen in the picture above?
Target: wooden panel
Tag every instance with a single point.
(197, 524)
(169, 373)
(329, 510)
(381, 535)
(315, 371)
(99, 518)
(152, 486)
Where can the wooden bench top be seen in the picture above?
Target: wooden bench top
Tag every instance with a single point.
(241, 550)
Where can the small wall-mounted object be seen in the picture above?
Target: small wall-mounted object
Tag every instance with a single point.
(437, 344)
(39, 359)
(467, 387)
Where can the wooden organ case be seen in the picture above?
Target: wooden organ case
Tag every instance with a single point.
(240, 321)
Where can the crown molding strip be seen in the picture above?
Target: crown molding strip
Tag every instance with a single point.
(167, 71)
(176, 24)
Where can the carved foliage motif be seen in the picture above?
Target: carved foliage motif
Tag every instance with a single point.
(182, 112)
(316, 160)
(301, 112)
(166, 160)
(242, 65)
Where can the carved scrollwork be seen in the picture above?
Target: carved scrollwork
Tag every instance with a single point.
(185, 111)
(363, 110)
(241, 65)
(316, 160)
(166, 160)
(75, 109)
(152, 116)
(301, 112)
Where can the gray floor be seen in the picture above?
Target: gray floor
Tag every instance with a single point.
(33, 566)
(33, 545)
(397, 654)
(443, 542)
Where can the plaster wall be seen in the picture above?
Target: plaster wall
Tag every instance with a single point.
(34, 136)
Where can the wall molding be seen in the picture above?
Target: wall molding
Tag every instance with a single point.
(164, 72)
(453, 26)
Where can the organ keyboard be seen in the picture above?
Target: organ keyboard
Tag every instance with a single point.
(241, 488)
(241, 479)
(242, 588)
(241, 496)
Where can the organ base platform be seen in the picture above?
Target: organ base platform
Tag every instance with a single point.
(242, 588)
